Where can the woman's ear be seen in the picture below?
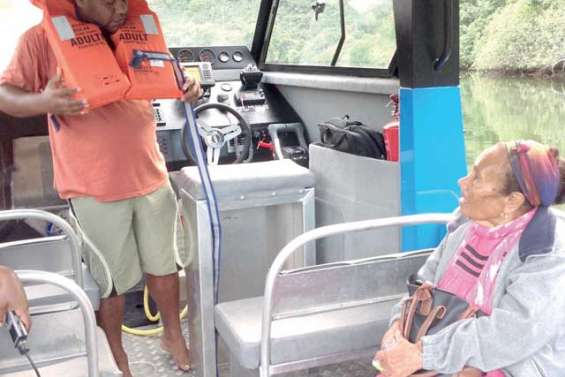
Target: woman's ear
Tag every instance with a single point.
(515, 201)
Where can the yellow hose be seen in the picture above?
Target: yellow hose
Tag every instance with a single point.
(150, 316)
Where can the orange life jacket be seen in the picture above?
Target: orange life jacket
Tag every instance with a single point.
(105, 75)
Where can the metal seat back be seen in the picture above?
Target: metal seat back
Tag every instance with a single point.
(285, 293)
(52, 254)
(343, 285)
(57, 254)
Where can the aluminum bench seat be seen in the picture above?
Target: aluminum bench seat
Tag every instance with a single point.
(351, 330)
(234, 181)
(66, 366)
(323, 314)
(61, 343)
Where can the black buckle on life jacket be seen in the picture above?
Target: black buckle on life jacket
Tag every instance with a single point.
(140, 56)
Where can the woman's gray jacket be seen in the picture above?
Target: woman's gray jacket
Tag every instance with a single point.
(525, 333)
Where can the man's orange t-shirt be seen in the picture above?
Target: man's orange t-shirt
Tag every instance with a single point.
(110, 153)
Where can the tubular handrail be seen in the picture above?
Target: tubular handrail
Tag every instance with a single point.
(313, 235)
(87, 310)
(25, 214)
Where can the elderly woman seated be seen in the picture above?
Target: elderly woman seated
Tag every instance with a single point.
(505, 255)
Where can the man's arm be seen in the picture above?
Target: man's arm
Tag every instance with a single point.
(56, 99)
(12, 297)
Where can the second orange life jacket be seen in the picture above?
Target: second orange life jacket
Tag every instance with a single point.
(105, 75)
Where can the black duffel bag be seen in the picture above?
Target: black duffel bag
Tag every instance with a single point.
(353, 137)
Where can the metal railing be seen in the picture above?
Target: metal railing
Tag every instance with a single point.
(322, 232)
(28, 276)
(65, 227)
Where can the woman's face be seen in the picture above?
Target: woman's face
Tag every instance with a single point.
(107, 14)
(482, 199)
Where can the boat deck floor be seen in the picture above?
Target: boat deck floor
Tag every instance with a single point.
(148, 360)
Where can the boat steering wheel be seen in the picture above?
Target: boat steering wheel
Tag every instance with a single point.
(215, 137)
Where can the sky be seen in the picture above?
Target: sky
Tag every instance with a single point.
(15, 17)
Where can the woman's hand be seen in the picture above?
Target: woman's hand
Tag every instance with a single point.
(403, 359)
(12, 297)
(191, 90)
(470, 372)
(391, 336)
(58, 99)
(389, 339)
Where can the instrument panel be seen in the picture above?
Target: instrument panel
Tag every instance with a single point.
(236, 83)
(221, 57)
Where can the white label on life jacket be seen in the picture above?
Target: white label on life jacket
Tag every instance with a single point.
(149, 24)
(63, 27)
(157, 63)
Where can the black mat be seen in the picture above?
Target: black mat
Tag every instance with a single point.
(134, 315)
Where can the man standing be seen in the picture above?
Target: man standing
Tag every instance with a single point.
(107, 164)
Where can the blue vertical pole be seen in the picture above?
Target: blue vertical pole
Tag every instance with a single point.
(432, 158)
(432, 149)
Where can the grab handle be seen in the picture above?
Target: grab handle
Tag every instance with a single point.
(440, 62)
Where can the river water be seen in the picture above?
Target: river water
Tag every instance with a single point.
(502, 109)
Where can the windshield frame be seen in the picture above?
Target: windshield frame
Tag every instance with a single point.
(262, 40)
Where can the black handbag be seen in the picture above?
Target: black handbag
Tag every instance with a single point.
(353, 137)
(429, 310)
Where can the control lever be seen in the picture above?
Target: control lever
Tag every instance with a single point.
(299, 153)
(250, 77)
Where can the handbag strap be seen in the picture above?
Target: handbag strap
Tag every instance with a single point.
(437, 312)
(404, 315)
(423, 296)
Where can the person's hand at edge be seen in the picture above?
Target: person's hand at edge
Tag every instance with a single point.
(12, 297)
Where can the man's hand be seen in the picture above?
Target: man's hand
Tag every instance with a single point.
(12, 297)
(191, 90)
(403, 359)
(58, 99)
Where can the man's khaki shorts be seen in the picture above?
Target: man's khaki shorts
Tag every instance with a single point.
(134, 236)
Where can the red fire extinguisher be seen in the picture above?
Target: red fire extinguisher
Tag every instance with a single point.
(391, 129)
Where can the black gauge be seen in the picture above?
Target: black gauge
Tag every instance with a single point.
(206, 55)
(237, 56)
(224, 57)
(185, 56)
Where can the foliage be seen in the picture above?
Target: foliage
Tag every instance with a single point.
(515, 35)
(524, 35)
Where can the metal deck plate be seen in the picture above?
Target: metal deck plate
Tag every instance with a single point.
(148, 360)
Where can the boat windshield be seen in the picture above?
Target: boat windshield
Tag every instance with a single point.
(207, 23)
(308, 33)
